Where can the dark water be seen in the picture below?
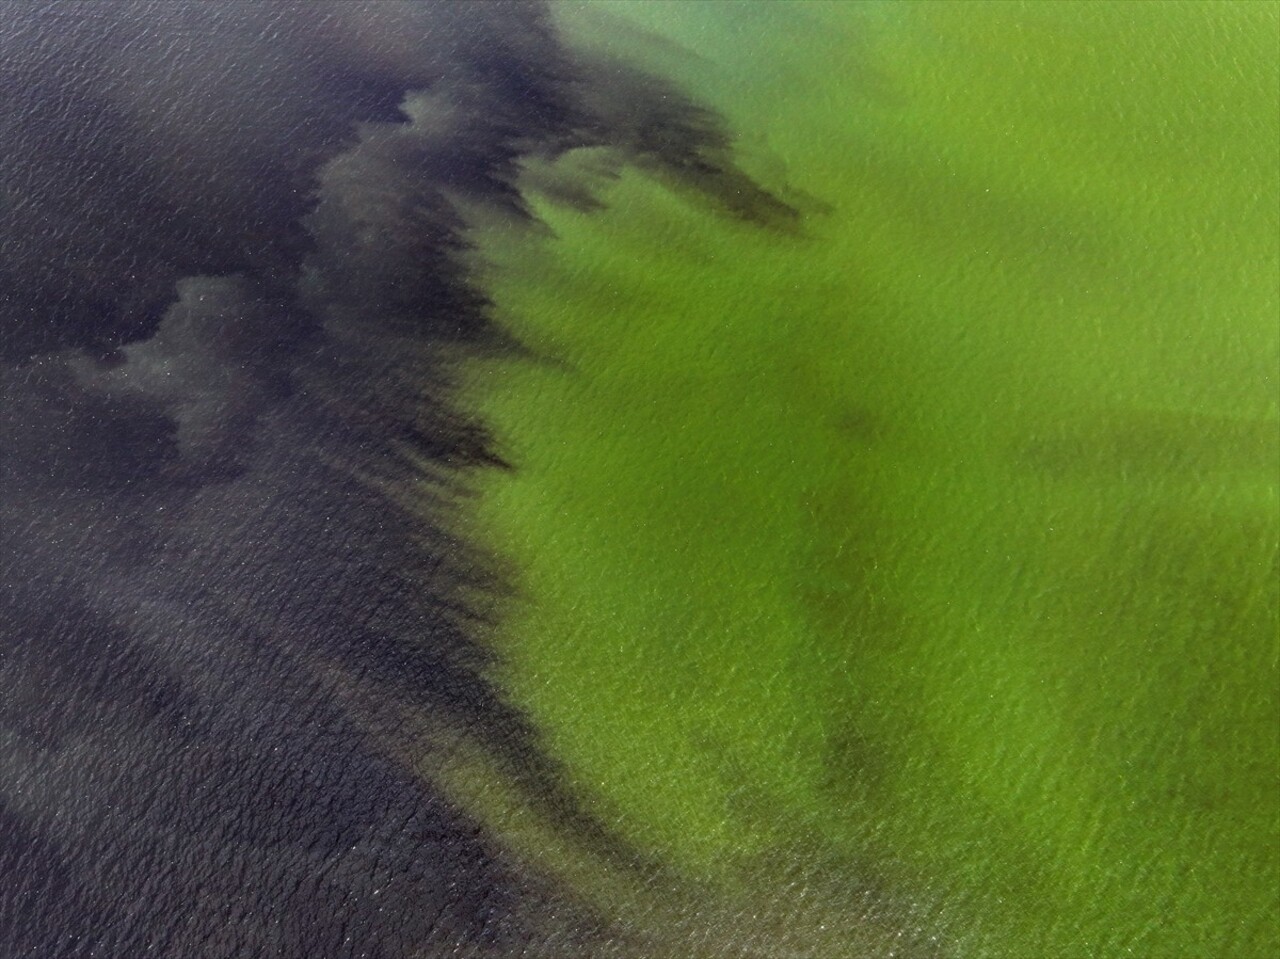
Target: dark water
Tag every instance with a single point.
(227, 262)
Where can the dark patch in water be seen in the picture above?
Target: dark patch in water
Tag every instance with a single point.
(230, 464)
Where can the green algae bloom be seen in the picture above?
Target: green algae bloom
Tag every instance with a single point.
(925, 548)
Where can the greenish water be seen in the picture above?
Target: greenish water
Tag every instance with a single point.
(931, 550)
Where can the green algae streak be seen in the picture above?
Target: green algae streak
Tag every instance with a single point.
(937, 542)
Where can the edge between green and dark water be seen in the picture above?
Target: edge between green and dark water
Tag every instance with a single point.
(901, 554)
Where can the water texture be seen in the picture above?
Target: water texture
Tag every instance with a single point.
(923, 543)
(672, 480)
